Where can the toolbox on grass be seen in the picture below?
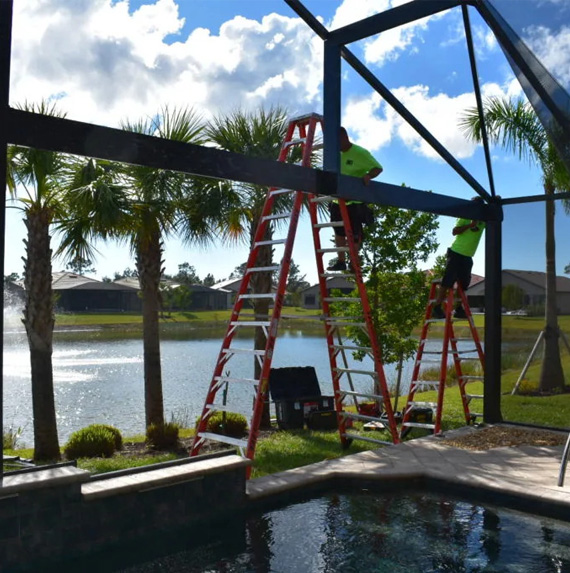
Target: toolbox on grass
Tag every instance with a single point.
(297, 397)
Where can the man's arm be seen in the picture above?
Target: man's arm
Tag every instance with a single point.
(374, 172)
(462, 228)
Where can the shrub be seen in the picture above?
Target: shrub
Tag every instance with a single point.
(228, 424)
(162, 436)
(95, 441)
(527, 387)
(10, 438)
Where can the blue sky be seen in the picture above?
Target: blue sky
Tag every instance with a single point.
(109, 60)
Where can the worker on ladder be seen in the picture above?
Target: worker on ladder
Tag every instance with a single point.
(459, 261)
(356, 162)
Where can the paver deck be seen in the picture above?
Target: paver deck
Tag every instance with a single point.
(524, 472)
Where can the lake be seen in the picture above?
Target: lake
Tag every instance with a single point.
(100, 380)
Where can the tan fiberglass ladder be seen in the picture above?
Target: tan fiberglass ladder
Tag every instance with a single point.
(301, 133)
(439, 358)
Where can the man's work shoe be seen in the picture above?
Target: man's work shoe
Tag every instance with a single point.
(460, 312)
(337, 266)
(437, 312)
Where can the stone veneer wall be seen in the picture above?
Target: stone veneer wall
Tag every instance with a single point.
(61, 513)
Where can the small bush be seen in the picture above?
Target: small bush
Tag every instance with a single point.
(95, 441)
(116, 434)
(162, 437)
(228, 424)
(527, 387)
(10, 438)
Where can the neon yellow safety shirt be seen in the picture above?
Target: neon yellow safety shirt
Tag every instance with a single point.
(357, 162)
(466, 244)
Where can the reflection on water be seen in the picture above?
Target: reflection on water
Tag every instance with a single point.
(361, 532)
(99, 379)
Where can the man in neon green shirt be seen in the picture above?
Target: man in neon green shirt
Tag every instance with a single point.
(467, 235)
(356, 162)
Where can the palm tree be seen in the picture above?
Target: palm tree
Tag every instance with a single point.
(256, 134)
(38, 174)
(515, 126)
(145, 206)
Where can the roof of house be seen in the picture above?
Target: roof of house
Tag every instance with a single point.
(72, 281)
(538, 278)
(228, 284)
(334, 282)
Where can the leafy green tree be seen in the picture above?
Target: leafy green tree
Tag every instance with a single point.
(12, 277)
(393, 247)
(34, 179)
(514, 125)
(512, 297)
(153, 204)
(187, 274)
(256, 134)
(209, 280)
(296, 283)
(567, 269)
(80, 266)
(126, 274)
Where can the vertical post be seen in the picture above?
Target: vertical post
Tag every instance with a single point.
(493, 283)
(331, 110)
(6, 10)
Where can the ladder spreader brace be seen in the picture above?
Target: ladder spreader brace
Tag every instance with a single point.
(274, 210)
(450, 344)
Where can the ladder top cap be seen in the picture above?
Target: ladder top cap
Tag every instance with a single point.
(307, 117)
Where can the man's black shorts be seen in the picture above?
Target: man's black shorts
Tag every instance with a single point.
(457, 269)
(355, 216)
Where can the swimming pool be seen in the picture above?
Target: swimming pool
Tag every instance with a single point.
(362, 531)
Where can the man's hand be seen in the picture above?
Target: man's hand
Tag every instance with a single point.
(374, 172)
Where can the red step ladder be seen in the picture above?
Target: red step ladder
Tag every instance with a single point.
(440, 358)
(301, 132)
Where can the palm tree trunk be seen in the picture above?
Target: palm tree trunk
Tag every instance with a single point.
(39, 322)
(261, 283)
(551, 375)
(149, 267)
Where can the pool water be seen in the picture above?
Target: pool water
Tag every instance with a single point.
(371, 532)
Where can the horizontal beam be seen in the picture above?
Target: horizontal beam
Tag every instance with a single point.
(535, 198)
(390, 19)
(67, 136)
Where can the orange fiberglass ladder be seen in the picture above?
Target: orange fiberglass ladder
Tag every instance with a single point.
(306, 127)
(425, 358)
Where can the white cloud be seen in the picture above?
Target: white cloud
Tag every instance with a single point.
(105, 63)
(552, 49)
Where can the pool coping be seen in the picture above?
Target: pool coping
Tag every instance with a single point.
(522, 477)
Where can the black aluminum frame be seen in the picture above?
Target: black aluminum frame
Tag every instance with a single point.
(63, 135)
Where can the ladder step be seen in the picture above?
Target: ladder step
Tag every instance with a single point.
(297, 141)
(353, 371)
(334, 250)
(223, 439)
(272, 242)
(419, 425)
(342, 299)
(263, 269)
(476, 396)
(354, 416)
(280, 191)
(336, 323)
(426, 382)
(223, 379)
(249, 323)
(244, 351)
(271, 295)
(471, 377)
(361, 395)
(323, 199)
(344, 274)
(331, 224)
(367, 439)
(343, 347)
(432, 405)
(277, 216)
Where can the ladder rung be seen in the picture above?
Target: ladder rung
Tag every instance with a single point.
(287, 144)
(433, 352)
(243, 351)
(462, 339)
(479, 415)
(342, 299)
(317, 147)
(331, 224)
(272, 242)
(367, 439)
(250, 323)
(355, 416)
(477, 396)
(262, 269)
(352, 371)
(222, 379)
(280, 191)
(429, 321)
(425, 382)
(471, 377)
(345, 275)
(343, 347)
(322, 199)
(334, 250)
(419, 425)
(462, 351)
(223, 439)
(260, 295)
(361, 395)
(277, 216)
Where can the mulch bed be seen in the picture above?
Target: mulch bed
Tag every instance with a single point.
(506, 436)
